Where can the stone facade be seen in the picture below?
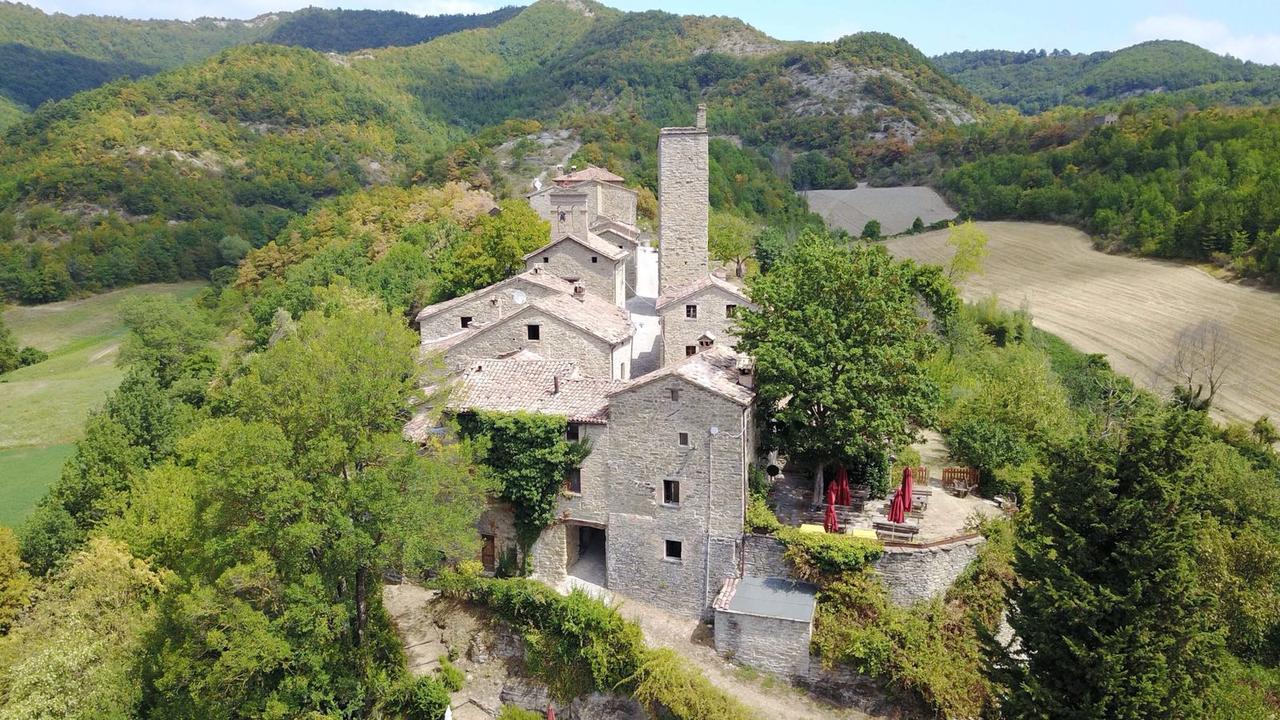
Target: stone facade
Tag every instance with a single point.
(484, 306)
(682, 205)
(569, 214)
(917, 574)
(609, 200)
(629, 246)
(774, 645)
(645, 450)
(713, 308)
(558, 340)
(601, 275)
(764, 556)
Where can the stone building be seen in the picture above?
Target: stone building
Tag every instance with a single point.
(578, 327)
(489, 304)
(699, 315)
(607, 197)
(682, 204)
(578, 255)
(627, 238)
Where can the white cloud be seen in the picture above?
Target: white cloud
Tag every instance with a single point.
(1210, 34)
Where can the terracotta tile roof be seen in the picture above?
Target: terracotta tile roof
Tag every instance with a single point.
(592, 242)
(590, 172)
(630, 232)
(697, 286)
(590, 313)
(715, 369)
(536, 276)
(548, 387)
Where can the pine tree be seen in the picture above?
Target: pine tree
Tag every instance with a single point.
(1110, 615)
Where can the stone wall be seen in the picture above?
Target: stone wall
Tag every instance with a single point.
(558, 341)
(682, 207)
(569, 214)
(680, 331)
(487, 306)
(632, 250)
(914, 574)
(643, 452)
(604, 278)
(774, 645)
(612, 201)
(764, 556)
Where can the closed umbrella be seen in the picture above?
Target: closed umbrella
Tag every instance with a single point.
(897, 513)
(906, 488)
(843, 496)
(551, 712)
(831, 523)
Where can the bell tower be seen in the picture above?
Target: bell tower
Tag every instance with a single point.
(682, 204)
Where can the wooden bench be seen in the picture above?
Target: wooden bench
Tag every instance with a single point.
(959, 481)
(895, 532)
(920, 498)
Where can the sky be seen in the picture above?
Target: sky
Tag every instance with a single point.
(1247, 29)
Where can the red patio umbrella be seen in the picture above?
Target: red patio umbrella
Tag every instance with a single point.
(551, 712)
(843, 497)
(831, 523)
(897, 513)
(906, 488)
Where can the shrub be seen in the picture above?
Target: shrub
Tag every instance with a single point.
(511, 712)
(420, 698)
(450, 676)
(825, 557)
(31, 356)
(667, 681)
(760, 519)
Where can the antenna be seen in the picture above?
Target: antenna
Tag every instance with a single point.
(519, 297)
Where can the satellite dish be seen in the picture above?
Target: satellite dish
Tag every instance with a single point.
(714, 430)
(537, 184)
(519, 297)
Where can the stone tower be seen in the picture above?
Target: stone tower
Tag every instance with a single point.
(682, 204)
(569, 214)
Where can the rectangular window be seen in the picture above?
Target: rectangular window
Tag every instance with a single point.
(690, 350)
(534, 331)
(546, 259)
(466, 321)
(595, 259)
(675, 395)
(730, 310)
(691, 311)
(674, 549)
(671, 492)
(683, 439)
(573, 481)
(572, 431)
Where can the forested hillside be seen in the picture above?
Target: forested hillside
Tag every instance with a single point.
(1035, 81)
(172, 176)
(347, 30)
(1202, 185)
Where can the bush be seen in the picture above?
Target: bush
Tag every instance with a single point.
(450, 676)
(511, 712)
(825, 557)
(760, 519)
(420, 698)
(986, 445)
(667, 681)
(31, 356)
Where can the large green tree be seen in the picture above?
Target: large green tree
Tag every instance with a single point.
(1112, 618)
(840, 347)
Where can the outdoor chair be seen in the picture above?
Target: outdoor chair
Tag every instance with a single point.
(959, 481)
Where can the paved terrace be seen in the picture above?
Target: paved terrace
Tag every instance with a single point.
(947, 515)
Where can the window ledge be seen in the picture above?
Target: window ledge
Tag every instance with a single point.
(673, 561)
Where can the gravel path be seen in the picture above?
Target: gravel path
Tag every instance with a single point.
(1129, 308)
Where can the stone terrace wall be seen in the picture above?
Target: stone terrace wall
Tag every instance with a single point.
(913, 574)
(774, 645)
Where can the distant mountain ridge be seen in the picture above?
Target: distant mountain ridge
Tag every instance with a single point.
(1034, 81)
(49, 56)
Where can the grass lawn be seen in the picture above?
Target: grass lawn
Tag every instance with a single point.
(25, 473)
(44, 406)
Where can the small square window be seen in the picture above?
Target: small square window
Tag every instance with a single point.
(595, 259)
(572, 431)
(534, 331)
(674, 549)
(675, 395)
(671, 492)
(546, 259)
(730, 310)
(466, 321)
(573, 481)
(683, 439)
(691, 311)
(690, 350)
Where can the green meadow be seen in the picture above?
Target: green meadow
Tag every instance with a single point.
(43, 407)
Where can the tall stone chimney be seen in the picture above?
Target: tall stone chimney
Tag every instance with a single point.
(682, 204)
(569, 214)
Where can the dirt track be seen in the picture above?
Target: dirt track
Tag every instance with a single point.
(1130, 309)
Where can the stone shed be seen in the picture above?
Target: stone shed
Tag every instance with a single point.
(766, 623)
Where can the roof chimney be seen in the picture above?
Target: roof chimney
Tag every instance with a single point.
(701, 123)
(555, 384)
(579, 292)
